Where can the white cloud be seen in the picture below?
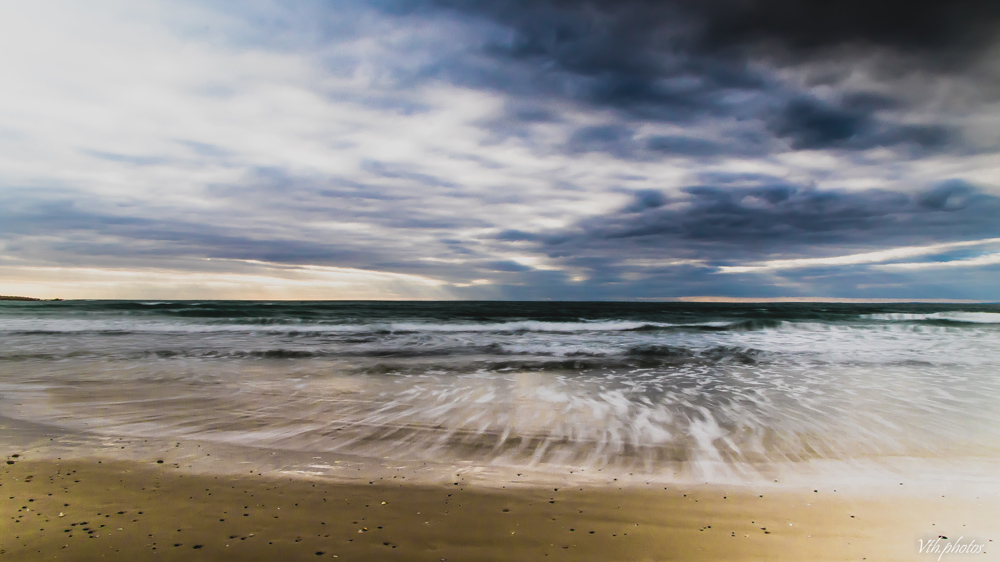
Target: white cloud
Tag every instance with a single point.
(643, 262)
(856, 259)
(979, 261)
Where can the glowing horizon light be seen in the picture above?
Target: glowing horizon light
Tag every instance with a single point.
(266, 281)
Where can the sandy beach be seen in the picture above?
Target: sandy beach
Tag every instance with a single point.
(88, 509)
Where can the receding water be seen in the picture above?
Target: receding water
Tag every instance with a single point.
(633, 386)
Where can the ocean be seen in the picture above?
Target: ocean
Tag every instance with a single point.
(697, 391)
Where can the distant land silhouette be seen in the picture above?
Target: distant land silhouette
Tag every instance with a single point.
(12, 298)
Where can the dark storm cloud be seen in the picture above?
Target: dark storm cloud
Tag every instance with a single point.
(570, 31)
(932, 28)
(683, 62)
(813, 124)
(691, 146)
(803, 123)
(646, 199)
(723, 221)
(669, 61)
(609, 56)
(616, 140)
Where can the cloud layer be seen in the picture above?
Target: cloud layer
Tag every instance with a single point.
(509, 149)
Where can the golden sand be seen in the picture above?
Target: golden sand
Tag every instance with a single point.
(113, 510)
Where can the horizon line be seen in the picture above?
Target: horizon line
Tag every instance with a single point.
(690, 300)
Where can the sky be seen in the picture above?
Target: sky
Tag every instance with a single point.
(510, 149)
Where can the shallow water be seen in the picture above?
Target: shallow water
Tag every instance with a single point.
(641, 387)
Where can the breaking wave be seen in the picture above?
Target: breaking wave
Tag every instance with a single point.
(957, 317)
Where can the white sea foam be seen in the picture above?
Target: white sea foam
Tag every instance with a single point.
(957, 316)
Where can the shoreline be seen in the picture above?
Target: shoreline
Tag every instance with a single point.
(194, 493)
(129, 510)
(965, 476)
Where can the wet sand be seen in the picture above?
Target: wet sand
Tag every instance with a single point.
(88, 509)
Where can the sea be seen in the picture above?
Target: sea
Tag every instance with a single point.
(700, 391)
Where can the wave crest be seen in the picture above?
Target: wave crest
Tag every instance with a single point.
(959, 317)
